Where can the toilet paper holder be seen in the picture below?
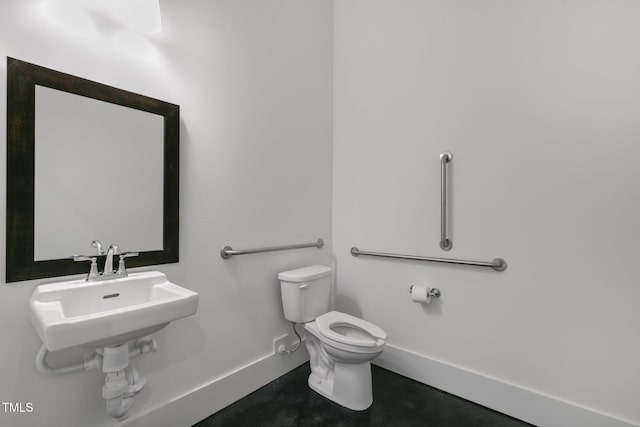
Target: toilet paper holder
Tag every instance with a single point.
(433, 292)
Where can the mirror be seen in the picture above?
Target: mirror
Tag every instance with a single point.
(86, 161)
(93, 160)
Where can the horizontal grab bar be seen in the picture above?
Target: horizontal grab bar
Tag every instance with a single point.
(497, 264)
(227, 252)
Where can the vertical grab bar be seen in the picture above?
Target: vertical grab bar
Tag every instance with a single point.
(445, 242)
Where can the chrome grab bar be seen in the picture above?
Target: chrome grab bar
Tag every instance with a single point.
(498, 264)
(445, 242)
(227, 252)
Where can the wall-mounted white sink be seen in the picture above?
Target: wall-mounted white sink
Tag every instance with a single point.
(108, 312)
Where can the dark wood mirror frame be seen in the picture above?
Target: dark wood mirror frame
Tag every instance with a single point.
(22, 79)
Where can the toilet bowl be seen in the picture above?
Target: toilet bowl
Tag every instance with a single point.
(340, 346)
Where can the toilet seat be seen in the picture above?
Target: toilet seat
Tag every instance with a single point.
(326, 322)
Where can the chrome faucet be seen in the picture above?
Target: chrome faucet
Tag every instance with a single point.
(108, 272)
(108, 263)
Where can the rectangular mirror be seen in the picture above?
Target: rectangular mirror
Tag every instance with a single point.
(86, 161)
(92, 156)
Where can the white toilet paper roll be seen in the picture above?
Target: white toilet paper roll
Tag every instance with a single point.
(420, 293)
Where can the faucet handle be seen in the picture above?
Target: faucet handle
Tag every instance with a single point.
(121, 267)
(128, 254)
(93, 271)
(77, 258)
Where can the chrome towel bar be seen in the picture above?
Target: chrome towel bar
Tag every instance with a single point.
(497, 264)
(227, 252)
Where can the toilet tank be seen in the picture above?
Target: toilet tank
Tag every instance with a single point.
(305, 292)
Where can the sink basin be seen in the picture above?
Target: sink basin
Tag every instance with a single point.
(106, 313)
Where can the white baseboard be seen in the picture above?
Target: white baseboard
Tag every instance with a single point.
(519, 402)
(198, 404)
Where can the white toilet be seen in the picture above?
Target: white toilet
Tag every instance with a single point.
(340, 346)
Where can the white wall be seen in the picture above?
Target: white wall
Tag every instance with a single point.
(253, 80)
(540, 104)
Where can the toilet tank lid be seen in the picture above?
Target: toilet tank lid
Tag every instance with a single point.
(305, 274)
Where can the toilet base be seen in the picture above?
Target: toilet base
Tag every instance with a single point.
(348, 385)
